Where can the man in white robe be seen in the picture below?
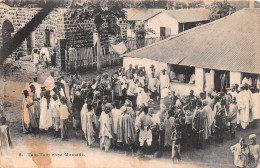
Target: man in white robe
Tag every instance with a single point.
(243, 102)
(164, 80)
(50, 82)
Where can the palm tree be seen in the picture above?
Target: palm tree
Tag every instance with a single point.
(100, 13)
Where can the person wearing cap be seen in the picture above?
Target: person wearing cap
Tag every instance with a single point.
(164, 80)
(240, 153)
(232, 117)
(153, 85)
(254, 152)
(243, 102)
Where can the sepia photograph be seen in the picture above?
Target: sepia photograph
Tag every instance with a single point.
(129, 83)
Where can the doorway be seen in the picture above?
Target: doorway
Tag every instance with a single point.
(7, 29)
(221, 80)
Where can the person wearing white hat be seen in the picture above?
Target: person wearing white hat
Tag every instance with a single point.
(254, 152)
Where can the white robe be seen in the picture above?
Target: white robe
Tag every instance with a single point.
(38, 89)
(164, 81)
(256, 106)
(243, 102)
(49, 83)
(83, 114)
(141, 97)
(46, 116)
(46, 53)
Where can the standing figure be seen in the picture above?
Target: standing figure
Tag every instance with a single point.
(254, 152)
(5, 139)
(200, 124)
(153, 85)
(232, 117)
(36, 90)
(145, 125)
(76, 108)
(105, 133)
(164, 80)
(64, 116)
(29, 121)
(46, 116)
(220, 123)
(141, 96)
(176, 146)
(240, 153)
(36, 58)
(55, 108)
(91, 128)
(132, 92)
(53, 58)
(243, 102)
(117, 88)
(126, 129)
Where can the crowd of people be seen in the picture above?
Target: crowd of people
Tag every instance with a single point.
(120, 110)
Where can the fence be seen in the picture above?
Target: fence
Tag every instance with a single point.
(86, 58)
(133, 44)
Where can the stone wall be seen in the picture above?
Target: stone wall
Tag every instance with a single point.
(78, 33)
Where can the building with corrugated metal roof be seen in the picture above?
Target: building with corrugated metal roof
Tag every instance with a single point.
(217, 54)
(171, 22)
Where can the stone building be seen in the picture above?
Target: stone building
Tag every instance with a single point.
(58, 30)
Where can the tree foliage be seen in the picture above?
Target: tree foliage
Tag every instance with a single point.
(104, 17)
(220, 10)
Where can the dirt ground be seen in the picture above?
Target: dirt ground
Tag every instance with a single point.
(42, 150)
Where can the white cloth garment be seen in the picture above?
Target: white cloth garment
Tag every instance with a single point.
(164, 81)
(243, 102)
(141, 97)
(256, 106)
(45, 54)
(49, 83)
(83, 115)
(119, 48)
(45, 117)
